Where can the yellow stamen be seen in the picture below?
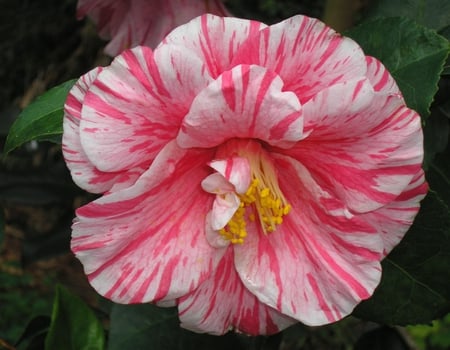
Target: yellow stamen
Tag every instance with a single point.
(263, 200)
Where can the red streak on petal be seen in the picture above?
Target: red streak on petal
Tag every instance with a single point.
(357, 89)
(140, 294)
(365, 253)
(263, 88)
(228, 89)
(343, 275)
(166, 278)
(128, 284)
(322, 304)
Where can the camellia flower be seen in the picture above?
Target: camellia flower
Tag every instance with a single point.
(129, 23)
(252, 175)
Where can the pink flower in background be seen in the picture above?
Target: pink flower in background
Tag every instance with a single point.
(129, 23)
(252, 175)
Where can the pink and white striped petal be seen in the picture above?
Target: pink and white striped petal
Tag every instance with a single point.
(380, 78)
(217, 184)
(129, 114)
(212, 236)
(147, 242)
(83, 172)
(233, 176)
(320, 263)
(181, 74)
(230, 306)
(236, 170)
(214, 39)
(245, 102)
(223, 209)
(364, 146)
(394, 219)
(308, 55)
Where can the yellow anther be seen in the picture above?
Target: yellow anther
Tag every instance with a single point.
(286, 209)
(263, 201)
(264, 192)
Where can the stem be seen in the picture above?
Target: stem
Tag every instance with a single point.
(340, 14)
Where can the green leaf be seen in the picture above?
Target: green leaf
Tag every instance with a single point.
(445, 32)
(33, 336)
(436, 132)
(141, 326)
(438, 176)
(73, 326)
(145, 326)
(431, 13)
(414, 287)
(41, 120)
(413, 54)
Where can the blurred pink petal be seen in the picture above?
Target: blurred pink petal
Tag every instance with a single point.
(129, 23)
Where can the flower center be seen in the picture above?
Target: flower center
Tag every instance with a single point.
(263, 201)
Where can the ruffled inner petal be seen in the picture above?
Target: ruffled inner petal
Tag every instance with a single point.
(236, 170)
(217, 184)
(306, 54)
(214, 39)
(245, 102)
(214, 239)
(223, 209)
(146, 243)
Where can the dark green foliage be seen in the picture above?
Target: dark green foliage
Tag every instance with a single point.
(41, 120)
(413, 54)
(414, 287)
(431, 13)
(149, 327)
(73, 326)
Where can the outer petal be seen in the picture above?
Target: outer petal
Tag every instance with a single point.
(84, 173)
(147, 242)
(142, 22)
(135, 106)
(230, 305)
(245, 102)
(320, 262)
(380, 78)
(308, 55)
(214, 39)
(394, 219)
(364, 146)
